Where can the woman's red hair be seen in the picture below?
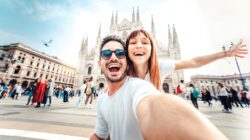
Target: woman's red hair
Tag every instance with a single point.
(153, 66)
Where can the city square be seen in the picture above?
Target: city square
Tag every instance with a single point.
(54, 50)
(66, 121)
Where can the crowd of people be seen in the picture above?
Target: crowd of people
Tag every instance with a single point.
(40, 92)
(228, 96)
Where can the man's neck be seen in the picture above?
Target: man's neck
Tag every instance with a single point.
(113, 87)
(141, 70)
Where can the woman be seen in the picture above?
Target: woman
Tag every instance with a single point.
(141, 48)
(223, 94)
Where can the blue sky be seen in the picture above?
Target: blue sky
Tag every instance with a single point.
(202, 26)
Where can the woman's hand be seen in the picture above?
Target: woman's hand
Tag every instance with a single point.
(238, 50)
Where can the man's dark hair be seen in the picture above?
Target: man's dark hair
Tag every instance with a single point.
(111, 38)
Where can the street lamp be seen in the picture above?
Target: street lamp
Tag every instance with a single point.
(241, 77)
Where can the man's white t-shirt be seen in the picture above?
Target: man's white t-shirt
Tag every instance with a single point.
(116, 114)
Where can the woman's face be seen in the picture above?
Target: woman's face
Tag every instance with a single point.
(139, 49)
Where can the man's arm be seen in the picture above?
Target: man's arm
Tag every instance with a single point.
(169, 117)
(239, 50)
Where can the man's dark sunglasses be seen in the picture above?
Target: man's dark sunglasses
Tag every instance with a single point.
(106, 54)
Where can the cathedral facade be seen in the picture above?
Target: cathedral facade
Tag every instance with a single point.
(88, 59)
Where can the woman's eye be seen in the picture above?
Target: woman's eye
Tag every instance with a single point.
(132, 42)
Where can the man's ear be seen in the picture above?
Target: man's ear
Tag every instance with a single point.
(99, 63)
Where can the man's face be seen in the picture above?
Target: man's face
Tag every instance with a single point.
(113, 68)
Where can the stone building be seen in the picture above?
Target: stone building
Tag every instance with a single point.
(88, 59)
(210, 81)
(24, 64)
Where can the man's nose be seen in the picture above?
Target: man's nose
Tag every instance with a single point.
(113, 56)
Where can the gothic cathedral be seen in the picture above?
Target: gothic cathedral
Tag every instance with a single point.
(88, 60)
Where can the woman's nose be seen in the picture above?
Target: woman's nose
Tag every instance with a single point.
(139, 44)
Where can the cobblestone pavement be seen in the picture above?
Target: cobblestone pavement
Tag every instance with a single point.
(66, 121)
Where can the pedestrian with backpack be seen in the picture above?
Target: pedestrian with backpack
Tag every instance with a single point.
(194, 95)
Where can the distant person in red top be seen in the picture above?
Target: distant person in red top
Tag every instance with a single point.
(181, 89)
(39, 93)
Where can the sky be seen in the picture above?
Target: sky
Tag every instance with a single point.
(203, 26)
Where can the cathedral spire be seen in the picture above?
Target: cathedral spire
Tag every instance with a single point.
(175, 37)
(86, 41)
(81, 51)
(152, 27)
(112, 20)
(99, 34)
(138, 14)
(116, 17)
(133, 15)
(170, 41)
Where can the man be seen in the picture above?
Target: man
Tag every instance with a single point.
(133, 109)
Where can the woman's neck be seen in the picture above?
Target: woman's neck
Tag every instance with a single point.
(141, 70)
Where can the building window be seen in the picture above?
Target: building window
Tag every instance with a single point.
(228, 82)
(236, 81)
(41, 75)
(19, 58)
(34, 75)
(46, 77)
(43, 66)
(89, 70)
(17, 70)
(37, 64)
(28, 73)
(2, 57)
(31, 62)
(22, 60)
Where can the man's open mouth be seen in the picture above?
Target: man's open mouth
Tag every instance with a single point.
(114, 67)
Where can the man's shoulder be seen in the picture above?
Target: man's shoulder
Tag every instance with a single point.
(137, 80)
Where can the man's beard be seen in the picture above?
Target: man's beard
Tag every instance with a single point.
(111, 80)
